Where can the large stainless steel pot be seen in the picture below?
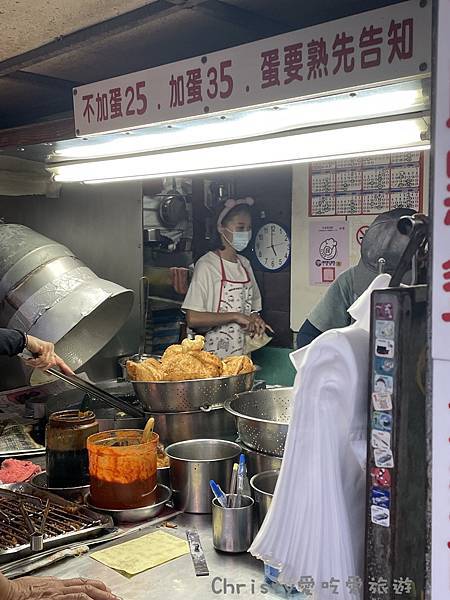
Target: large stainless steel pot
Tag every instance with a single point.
(46, 291)
(193, 464)
(257, 462)
(263, 488)
(182, 396)
(262, 418)
(177, 427)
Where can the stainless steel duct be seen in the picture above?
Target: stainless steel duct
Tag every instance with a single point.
(46, 291)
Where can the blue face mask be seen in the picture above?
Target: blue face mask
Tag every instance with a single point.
(240, 239)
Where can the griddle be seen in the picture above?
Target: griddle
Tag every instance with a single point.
(66, 522)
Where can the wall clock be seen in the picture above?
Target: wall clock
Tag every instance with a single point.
(272, 246)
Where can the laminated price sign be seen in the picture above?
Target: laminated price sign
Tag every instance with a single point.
(373, 47)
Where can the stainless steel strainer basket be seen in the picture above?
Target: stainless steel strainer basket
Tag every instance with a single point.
(262, 418)
(185, 396)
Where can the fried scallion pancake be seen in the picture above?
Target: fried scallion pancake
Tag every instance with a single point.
(237, 365)
(186, 361)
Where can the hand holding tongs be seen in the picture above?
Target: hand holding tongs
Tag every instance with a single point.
(36, 535)
(92, 390)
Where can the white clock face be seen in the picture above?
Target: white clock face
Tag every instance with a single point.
(272, 246)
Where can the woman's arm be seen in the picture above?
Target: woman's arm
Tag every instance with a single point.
(207, 320)
(12, 342)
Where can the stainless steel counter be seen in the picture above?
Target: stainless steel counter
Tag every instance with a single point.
(176, 579)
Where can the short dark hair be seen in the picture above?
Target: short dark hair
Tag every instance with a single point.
(216, 240)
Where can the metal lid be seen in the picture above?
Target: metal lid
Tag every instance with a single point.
(71, 418)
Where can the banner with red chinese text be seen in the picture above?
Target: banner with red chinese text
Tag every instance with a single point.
(440, 341)
(378, 46)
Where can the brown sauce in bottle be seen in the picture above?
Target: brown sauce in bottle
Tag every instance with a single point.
(67, 456)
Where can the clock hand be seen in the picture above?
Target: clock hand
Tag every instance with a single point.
(273, 248)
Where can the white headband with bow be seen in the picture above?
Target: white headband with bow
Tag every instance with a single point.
(230, 204)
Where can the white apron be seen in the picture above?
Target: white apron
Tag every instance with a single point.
(236, 297)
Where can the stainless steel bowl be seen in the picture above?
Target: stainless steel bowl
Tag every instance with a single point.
(75, 494)
(193, 464)
(263, 487)
(262, 418)
(182, 396)
(257, 462)
(214, 423)
(163, 476)
(135, 515)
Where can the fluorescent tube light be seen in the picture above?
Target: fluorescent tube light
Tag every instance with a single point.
(371, 138)
(377, 102)
(261, 165)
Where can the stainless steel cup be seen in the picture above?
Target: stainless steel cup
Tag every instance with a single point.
(233, 527)
(193, 464)
(263, 488)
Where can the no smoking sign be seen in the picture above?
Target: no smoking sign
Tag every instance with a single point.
(361, 233)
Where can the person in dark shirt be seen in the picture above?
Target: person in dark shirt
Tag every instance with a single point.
(13, 342)
(382, 240)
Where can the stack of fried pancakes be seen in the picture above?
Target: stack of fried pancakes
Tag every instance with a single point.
(187, 361)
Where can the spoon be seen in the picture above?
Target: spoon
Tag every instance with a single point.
(148, 431)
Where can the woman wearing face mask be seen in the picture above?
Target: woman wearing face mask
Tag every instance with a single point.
(224, 300)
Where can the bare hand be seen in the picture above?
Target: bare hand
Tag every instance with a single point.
(45, 356)
(258, 326)
(50, 588)
(252, 324)
(242, 320)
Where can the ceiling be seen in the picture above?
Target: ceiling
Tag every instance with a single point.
(48, 46)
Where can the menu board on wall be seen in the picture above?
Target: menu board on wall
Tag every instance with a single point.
(366, 185)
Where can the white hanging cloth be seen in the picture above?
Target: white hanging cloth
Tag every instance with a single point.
(314, 530)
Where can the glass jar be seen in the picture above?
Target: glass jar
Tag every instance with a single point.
(122, 469)
(67, 432)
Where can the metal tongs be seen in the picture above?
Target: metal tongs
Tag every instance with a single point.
(36, 535)
(96, 392)
(92, 390)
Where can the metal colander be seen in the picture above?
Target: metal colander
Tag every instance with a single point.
(262, 418)
(185, 396)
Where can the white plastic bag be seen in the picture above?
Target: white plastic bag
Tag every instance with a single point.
(314, 531)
